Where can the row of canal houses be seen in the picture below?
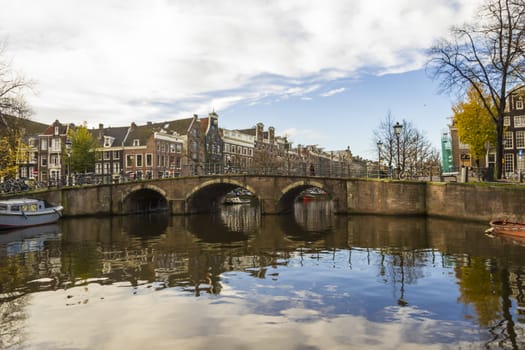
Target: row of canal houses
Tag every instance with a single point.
(184, 147)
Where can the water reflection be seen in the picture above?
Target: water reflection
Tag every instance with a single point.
(303, 281)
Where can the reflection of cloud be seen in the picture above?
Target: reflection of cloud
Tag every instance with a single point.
(111, 317)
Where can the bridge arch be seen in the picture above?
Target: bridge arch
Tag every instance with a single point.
(205, 196)
(225, 181)
(291, 191)
(145, 198)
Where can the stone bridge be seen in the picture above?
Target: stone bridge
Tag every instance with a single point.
(276, 194)
(191, 195)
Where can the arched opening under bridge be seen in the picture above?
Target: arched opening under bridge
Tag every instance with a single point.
(144, 200)
(210, 197)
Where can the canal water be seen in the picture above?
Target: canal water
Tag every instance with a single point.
(239, 280)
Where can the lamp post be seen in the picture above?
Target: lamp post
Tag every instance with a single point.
(379, 146)
(68, 150)
(397, 130)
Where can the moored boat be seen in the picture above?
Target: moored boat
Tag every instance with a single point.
(313, 194)
(23, 212)
(505, 227)
(236, 200)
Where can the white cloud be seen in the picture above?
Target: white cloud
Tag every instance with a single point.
(333, 92)
(96, 59)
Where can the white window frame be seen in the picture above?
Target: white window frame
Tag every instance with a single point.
(509, 139)
(519, 121)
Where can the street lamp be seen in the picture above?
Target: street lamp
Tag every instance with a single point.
(379, 146)
(397, 130)
(68, 150)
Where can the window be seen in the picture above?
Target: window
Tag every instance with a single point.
(55, 160)
(57, 130)
(506, 121)
(509, 162)
(43, 145)
(521, 163)
(129, 160)
(179, 147)
(177, 163)
(116, 155)
(519, 103)
(507, 140)
(44, 161)
(107, 155)
(139, 160)
(107, 141)
(149, 159)
(519, 121)
(172, 148)
(520, 139)
(136, 142)
(116, 167)
(195, 150)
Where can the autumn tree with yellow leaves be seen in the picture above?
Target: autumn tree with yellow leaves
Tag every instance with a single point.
(475, 125)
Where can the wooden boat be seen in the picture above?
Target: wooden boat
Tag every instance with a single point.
(505, 227)
(235, 200)
(23, 212)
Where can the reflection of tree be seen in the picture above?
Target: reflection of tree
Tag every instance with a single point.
(401, 268)
(481, 288)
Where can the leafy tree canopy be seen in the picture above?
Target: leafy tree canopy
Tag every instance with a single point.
(474, 124)
(82, 153)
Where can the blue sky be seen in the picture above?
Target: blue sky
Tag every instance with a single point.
(320, 72)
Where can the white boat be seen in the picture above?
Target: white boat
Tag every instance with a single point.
(236, 200)
(23, 212)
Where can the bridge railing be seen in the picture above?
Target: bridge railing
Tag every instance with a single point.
(319, 171)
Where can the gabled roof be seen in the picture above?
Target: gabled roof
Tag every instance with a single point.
(50, 130)
(144, 132)
(117, 133)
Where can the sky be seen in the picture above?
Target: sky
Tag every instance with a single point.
(321, 72)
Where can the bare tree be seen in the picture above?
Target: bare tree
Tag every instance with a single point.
(488, 55)
(12, 86)
(415, 150)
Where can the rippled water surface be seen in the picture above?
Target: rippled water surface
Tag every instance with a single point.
(238, 280)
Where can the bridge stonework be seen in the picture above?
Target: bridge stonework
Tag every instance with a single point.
(188, 195)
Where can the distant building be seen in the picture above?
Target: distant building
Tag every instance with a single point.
(52, 152)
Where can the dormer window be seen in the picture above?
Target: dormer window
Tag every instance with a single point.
(57, 130)
(519, 103)
(136, 142)
(108, 141)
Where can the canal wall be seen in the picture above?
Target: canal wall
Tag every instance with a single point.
(464, 201)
